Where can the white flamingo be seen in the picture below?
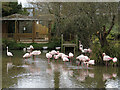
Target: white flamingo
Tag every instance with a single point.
(57, 48)
(48, 56)
(106, 58)
(31, 48)
(24, 49)
(9, 53)
(71, 55)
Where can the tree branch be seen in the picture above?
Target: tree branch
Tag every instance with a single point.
(111, 25)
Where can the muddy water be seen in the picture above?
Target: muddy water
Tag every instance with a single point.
(38, 73)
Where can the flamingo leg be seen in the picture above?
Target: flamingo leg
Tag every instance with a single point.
(87, 66)
(48, 60)
(106, 63)
(64, 63)
(82, 64)
(35, 58)
(70, 60)
(78, 63)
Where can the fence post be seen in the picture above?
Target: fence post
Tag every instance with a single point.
(61, 42)
(33, 31)
(76, 42)
(16, 31)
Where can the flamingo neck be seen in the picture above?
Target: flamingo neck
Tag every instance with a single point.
(7, 50)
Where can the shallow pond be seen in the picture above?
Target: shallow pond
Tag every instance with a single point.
(38, 73)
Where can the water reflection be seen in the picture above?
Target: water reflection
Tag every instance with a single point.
(9, 66)
(37, 73)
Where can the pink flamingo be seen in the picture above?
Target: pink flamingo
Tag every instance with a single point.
(63, 55)
(106, 58)
(83, 59)
(115, 60)
(53, 52)
(65, 59)
(48, 55)
(26, 55)
(92, 62)
(35, 53)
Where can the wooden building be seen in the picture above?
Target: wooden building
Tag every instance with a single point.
(27, 29)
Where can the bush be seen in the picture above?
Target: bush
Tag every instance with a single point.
(111, 50)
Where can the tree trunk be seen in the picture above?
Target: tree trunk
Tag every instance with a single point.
(103, 42)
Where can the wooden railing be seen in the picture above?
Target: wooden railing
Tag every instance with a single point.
(26, 36)
(8, 35)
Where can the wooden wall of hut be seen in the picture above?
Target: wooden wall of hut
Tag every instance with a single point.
(4, 29)
(41, 31)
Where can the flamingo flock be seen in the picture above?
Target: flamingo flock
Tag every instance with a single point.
(83, 59)
(31, 53)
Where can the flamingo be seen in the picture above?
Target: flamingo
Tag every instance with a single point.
(63, 55)
(24, 49)
(60, 54)
(56, 56)
(48, 55)
(71, 55)
(9, 53)
(35, 53)
(65, 59)
(31, 48)
(85, 58)
(82, 58)
(84, 50)
(89, 50)
(92, 62)
(106, 58)
(57, 48)
(26, 55)
(115, 60)
(53, 52)
(45, 47)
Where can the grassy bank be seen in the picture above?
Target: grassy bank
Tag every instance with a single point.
(19, 46)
